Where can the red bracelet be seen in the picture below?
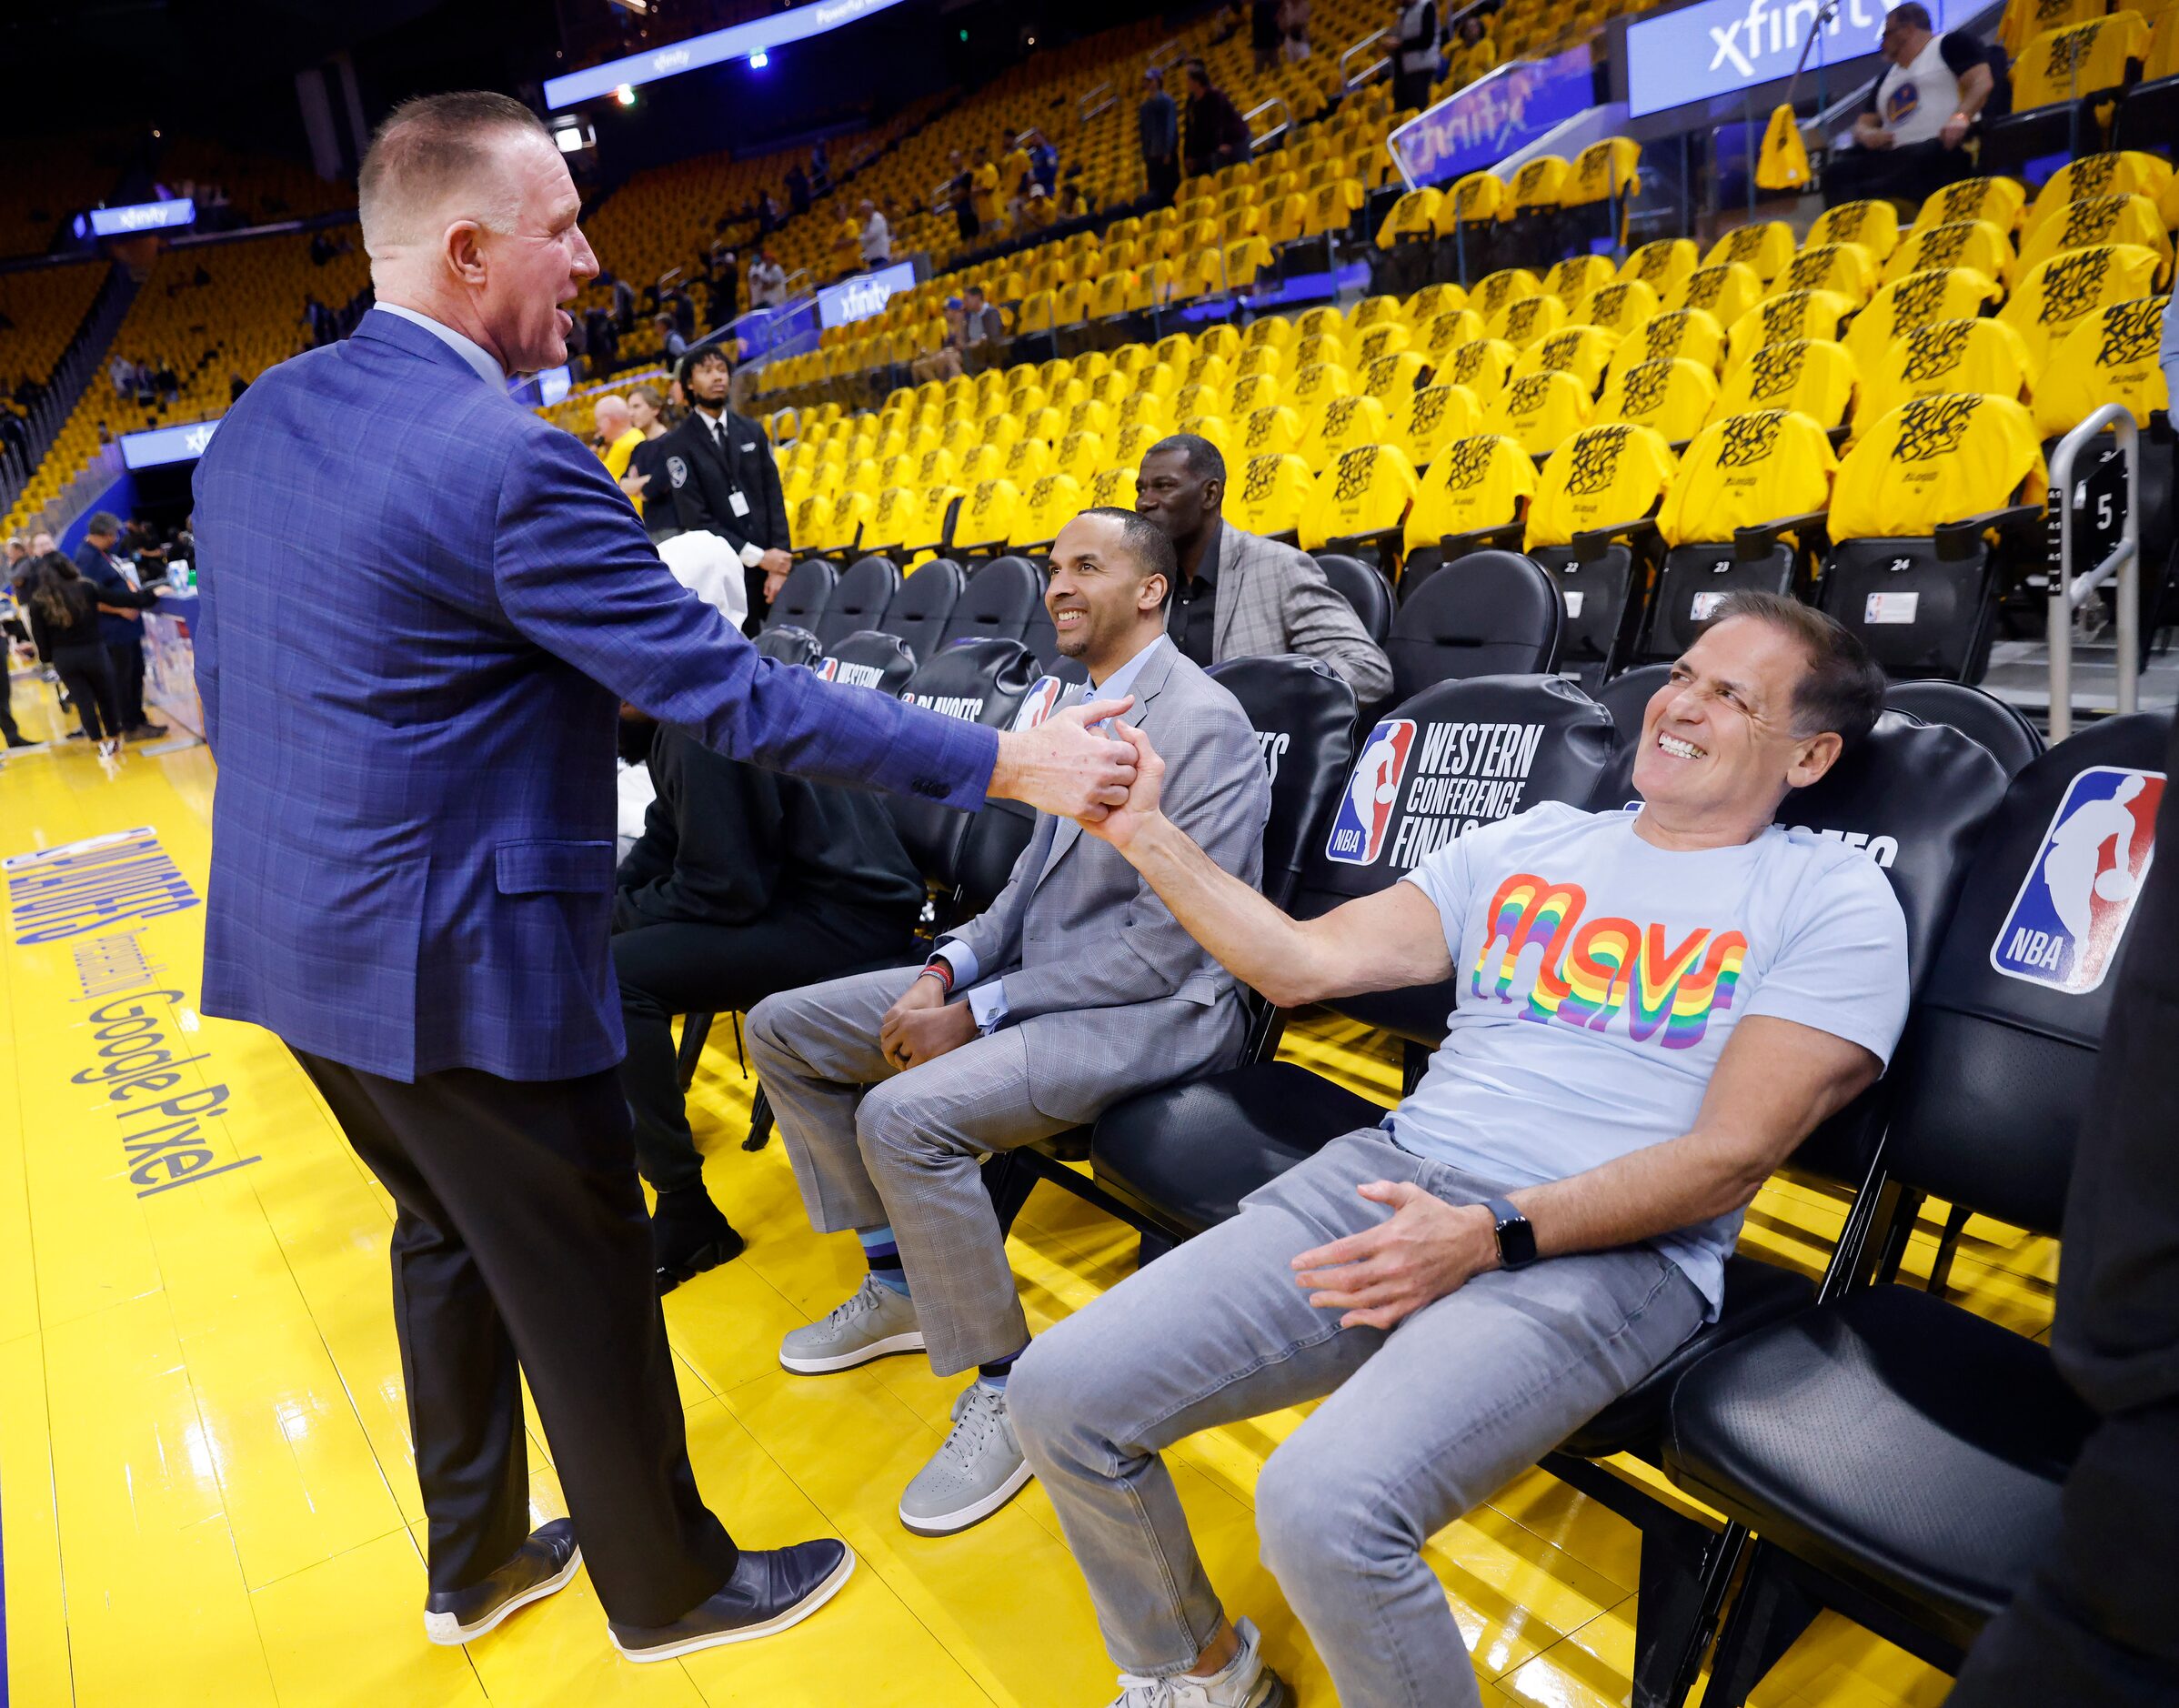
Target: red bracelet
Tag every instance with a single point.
(942, 971)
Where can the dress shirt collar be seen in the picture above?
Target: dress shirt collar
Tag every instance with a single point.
(467, 348)
(1121, 682)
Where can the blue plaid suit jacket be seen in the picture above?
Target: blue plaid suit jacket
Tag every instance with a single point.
(420, 607)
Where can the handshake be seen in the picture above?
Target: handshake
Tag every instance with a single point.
(1068, 767)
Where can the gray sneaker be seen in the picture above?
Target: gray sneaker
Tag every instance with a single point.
(873, 1322)
(1246, 1682)
(978, 1470)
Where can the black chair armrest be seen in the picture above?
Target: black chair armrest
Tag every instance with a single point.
(1502, 534)
(1838, 435)
(1758, 540)
(1378, 541)
(1963, 538)
(1592, 543)
(1287, 537)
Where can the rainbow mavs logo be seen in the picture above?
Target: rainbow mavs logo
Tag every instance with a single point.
(1588, 974)
(2066, 923)
(1042, 698)
(1366, 813)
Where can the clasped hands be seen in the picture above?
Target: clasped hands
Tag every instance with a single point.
(921, 1025)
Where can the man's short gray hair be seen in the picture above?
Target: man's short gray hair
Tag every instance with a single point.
(425, 151)
(102, 522)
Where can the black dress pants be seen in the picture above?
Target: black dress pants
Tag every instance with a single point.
(680, 968)
(128, 681)
(87, 673)
(1909, 172)
(1162, 178)
(522, 1248)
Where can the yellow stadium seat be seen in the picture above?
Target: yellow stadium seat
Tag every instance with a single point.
(1391, 377)
(1216, 343)
(1585, 352)
(1442, 334)
(1286, 218)
(2053, 294)
(979, 462)
(934, 518)
(1997, 200)
(1952, 293)
(1197, 399)
(1272, 430)
(1936, 460)
(1176, 350)
(1617, 306)
(1523, 322)
(2024, 19)
(893, 516)
(1135, 439)
(1481, 366)
(1540, 411)
(1578, 277)
(1745, 471)
(1985, 356)
(2109, 356)
(1267, 359)
(987, 516)
(1662, 265)
(1250, 391)
(1507, 285)
(1414, 217)
(1538, 183)
(1429, 416)
(1375, 311)
(2129, 172)
(1109, 388)
(2095, 219)
(1312, 384)
(806, 516)
(1608, 167)
(1268, 495)
(1691, 333)
(1472, 200)
(1331, 206)
(1872, 224)
(1672, 394)
(1969, 243)
(1312, 348)
(1603, 475)
(1321, 322)
(1338, 423)
(1767, 245)
(1432, 301)
(1367, 490)
(1482, 481)
(1808, 376)
(1113, 291)
(1805, 314)
(1207, 367)
(2080, 60)
(1111, 488)
(1146, 409)
(1727, 290)
(1026, 461)
(1079, 455)
(1157, 378)
(1209, 428)
(1373, 343)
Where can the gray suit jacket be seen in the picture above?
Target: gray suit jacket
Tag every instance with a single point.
(1273, 599)
(1111, 995)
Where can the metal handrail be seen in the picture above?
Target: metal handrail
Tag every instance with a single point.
(800, 273)
(1167, 53)
(1369, 71)
(1087, 105)
(2067, 594)
(1279, 101)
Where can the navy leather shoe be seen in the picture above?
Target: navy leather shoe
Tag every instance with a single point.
(770, 1590)
(541, 1565)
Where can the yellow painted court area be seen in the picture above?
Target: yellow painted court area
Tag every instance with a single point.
(204, 1478)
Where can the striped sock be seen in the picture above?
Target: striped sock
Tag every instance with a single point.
(884, 1258)
(993, 1375)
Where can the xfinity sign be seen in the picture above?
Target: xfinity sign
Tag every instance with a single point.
(122, 221)
(865, 295)
(742, 41)
(161, 445)
(1719, 47)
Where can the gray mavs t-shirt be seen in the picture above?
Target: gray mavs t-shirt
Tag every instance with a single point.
(1600, 977)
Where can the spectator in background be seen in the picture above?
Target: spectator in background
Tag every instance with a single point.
(1040, 213)
(745, 882)
(945, 362)
(960, 192)
(646, 463)
(983, 330)
(236, 384)
(1217, 134)
(119, 623)
(984, 180)
(1239, 595)
(66, 612)
(682, 307)
(1906, 141)
(719, 470)
(1474, 52)
(1043, 161)
(726, 288)
(767, 282)
(798, 188)
(820, 167)
(877, 237)
(624, 303)
(1415, 57)
(601, 342)
(616, 435)
(671, 344)
(1293, 30)
(768, 214)
(1264, 35)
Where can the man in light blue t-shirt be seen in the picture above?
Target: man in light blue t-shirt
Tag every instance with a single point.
(1655, 1006)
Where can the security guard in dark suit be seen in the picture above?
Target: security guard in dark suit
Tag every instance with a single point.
(718, 466)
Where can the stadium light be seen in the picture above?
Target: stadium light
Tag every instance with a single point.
(625, 95)
(759, 59)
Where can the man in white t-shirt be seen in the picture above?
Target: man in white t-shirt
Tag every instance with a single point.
(1906, 140)
(1655, 1006)
(875, 235)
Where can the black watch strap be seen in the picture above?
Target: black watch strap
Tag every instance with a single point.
(1516, 1239)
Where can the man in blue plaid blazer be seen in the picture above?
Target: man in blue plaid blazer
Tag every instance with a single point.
(421, 607)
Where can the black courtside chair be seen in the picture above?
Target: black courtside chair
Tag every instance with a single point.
(1494, 613)
(859, 599)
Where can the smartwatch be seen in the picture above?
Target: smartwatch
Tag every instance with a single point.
(1516, 1239)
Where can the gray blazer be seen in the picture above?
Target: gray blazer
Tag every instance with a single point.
(1273, 599)
(1111, 994)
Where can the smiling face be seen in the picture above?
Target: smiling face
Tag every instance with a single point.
(1103, 606)
(1720, 746)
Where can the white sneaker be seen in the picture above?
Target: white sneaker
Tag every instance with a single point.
(977, 1471)
(1245, 1681)
(870, 1323)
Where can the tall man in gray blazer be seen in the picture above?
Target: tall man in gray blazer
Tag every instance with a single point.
(1242, 595)
(1074, 988)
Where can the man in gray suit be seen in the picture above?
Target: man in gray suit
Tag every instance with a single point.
(1242, 595)
(1074, 988)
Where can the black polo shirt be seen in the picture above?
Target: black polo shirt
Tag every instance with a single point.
(1191, 614)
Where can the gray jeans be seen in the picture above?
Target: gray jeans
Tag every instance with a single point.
(872, 1145)
(1422, 1423)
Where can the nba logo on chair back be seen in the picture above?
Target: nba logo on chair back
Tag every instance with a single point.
(1043, 696)
(1357, 833)
(2064, 926)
